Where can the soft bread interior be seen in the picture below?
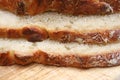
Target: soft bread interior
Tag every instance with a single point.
(23, 47)
(55, 21)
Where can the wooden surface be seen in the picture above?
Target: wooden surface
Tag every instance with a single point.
(40, 72)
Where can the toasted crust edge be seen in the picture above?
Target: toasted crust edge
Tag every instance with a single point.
(35, 34)
(75, 7)
(88, 61)
(31, 33)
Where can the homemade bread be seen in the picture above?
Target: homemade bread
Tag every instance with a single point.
(20, 51)
(64, 28)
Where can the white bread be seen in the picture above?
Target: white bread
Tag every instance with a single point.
(51, 52)
(65, 28)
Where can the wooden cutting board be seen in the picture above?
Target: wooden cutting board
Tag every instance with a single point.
(40, 72)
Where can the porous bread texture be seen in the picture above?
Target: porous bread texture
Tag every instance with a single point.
(63, 28)
(50, 52)
(55, 21)
(25, 47)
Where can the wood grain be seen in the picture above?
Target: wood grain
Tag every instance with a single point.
(40, 72)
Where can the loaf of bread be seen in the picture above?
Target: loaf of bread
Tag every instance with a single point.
(63, 28)
(49, 52)
(75, 7)
(84, 41)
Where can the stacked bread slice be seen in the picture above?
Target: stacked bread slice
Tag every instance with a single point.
(53, 38)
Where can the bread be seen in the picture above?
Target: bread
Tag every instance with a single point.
(63, 28)
(48, 30)
(75, 7)
(49, 52)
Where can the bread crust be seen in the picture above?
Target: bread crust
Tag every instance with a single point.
(75, 7)
(97, 37)
(31, 33)
(87, 61)
(35, 34)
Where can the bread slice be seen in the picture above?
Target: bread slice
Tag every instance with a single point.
(63, 28)
(76, 7)
(49, 52)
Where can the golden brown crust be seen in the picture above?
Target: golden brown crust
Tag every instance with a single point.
(35, 34)
(88, 61)
(76, 7)
(31, 33)
(98, 37)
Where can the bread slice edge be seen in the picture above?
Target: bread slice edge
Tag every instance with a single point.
(63, 28)
(36, 34)
(90, 61)
(50, 53)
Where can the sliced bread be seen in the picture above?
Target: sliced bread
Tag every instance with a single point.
(49, 52)
(64, 28)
